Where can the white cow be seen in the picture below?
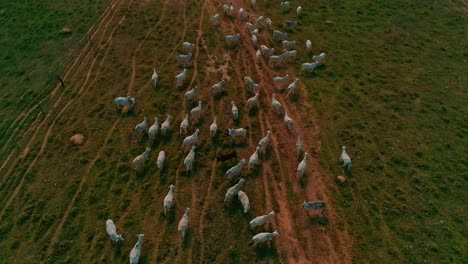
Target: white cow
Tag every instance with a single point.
(277, 59)
(288, 44)
(345, 158)
(190, 140)
(276, 104)
(290, 54)
(230, 39)
(292, 86)
(299, 10)
(308, 66)
(241, 14)
(319, 58)
(252, 101)
(244, 199)
(253, 158)
(136, 250)
(161, 159)
(260, 220)
(278, 35)
(258, 54)
(188, 161)
(121, 102)
(187, 46)
(308, 45)
(191, 93)
(285, 4)
(251, 84)
(153, 130)
(214, 127)
(141, 127)
(218, 86)
(154, 78)
(263, 143)
(269, 23)
(237, 132)
(140, 159)
(249, 27)
(195, 113)
(216, 19)
(165, 125)
(234, 171)
(183, 223)
(234, 190)
(184, 58)
(288, 120)
(254, 40)
(112, 231)
(263, 237)
(301, 168)
(259, 22)
(235, 111)
(254, 32)
(184, 125)
(180, 78)
(280, 80)
(169, 199)
(267, 51)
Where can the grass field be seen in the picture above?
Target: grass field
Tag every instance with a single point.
(391, 90)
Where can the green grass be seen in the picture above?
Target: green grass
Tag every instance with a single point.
(391, 90)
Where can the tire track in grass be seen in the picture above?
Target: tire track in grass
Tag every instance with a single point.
(57, 232)
(27, 147)
(84, 177)
(25, 115)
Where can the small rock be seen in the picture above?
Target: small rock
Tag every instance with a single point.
(341, 179)
(77, 139)
(65, 30)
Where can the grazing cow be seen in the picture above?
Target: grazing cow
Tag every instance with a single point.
(299, 10)
(292, 86)
(195, 113)
(218, 86)
(234, 171)
(140, 159)
(269, 23)
(166, 124)
(285, 4)
(290, 54)
(188, 161)
(233, 190)
(252, 101)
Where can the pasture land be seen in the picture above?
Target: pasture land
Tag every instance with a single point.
(391, 89)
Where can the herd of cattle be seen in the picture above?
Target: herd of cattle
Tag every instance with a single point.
(195, 114)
